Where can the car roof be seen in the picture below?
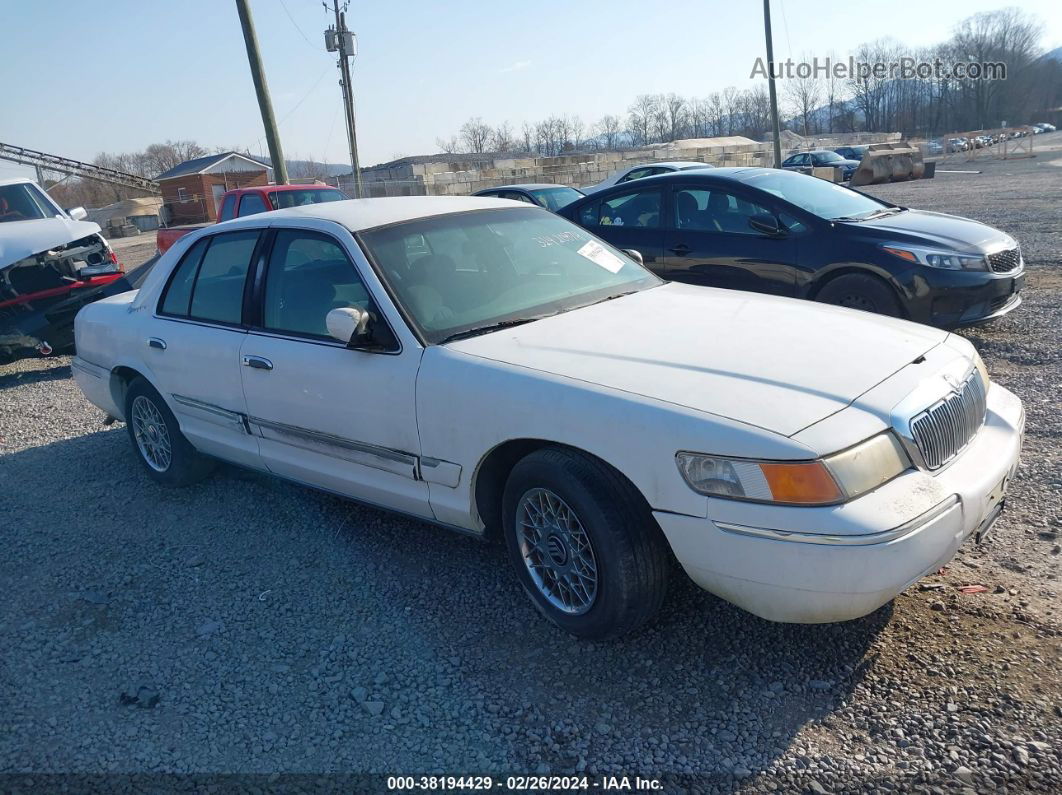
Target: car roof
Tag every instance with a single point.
(359, 214)
(676, 163)
(17, 181)
(292, 186)
(735, 173)
(524, 186)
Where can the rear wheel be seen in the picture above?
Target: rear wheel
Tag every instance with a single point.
(168, 457)
(583, 543)
(861, 291)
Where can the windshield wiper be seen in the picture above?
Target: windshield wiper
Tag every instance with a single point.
(489, 327)
(875, 214)
(610, 298)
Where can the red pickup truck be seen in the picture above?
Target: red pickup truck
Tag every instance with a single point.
(248, 201)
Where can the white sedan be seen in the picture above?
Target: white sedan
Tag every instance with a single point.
(494, 369)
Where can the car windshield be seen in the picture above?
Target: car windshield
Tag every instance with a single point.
(297, 198)
(817, 196)
(555, 198)
(21, 202)
(464, 273)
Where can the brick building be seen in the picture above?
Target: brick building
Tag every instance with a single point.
(191, 191)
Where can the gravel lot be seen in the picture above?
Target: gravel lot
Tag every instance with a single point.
(249, 625)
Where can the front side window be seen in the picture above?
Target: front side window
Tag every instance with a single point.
(515, 196)
(252, 204)
(308, 276)
(715, 210)
(824, 158)
(512, 265)
(638, 173)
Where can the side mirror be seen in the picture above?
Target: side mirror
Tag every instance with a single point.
(77, 213)
(347, 324)
(634, 254)
(767, 225)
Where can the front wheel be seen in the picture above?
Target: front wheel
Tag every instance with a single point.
(861, 291)
(583, 543)
(166, 454)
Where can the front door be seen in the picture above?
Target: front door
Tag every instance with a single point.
(632, 219)
(193, 344)
(708, 241)
(324, 414)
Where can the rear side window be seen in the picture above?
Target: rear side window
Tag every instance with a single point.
(251, 204)
(208, 283)
(218, 291)
(179, 292)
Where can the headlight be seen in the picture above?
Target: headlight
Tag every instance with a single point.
(948, 260)
(836, 478)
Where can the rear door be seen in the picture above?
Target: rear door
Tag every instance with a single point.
(629, 219)
(193, 344)
(708, 241)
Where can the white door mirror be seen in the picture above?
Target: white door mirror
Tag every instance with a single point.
(77, 213)
(346, 323)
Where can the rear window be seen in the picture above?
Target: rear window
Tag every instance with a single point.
(299, 198)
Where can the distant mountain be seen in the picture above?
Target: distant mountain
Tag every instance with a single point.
(1054, 55)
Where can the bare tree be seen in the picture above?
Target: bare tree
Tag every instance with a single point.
(449, 145)
(607, 130)
(640, 118)
(803, 94)
(676, 110)
(502, 138)
(475, 135)
(527, 132)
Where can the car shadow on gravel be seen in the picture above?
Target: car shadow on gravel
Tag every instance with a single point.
(20, 378)
(336, 612)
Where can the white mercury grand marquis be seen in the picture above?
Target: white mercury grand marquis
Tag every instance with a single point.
(490, 367)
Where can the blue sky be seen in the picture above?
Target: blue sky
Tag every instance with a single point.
(79, 78)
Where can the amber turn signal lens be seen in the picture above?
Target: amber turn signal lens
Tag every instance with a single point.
(807, 483)
(901, 253)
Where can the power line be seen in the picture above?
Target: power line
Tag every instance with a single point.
(296, 25)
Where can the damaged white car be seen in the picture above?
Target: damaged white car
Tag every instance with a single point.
(51, 264)
(488, 366)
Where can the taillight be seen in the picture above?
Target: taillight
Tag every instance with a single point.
(113, 258)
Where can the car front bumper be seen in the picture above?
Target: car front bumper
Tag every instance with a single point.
(816, 565)
(952, 299)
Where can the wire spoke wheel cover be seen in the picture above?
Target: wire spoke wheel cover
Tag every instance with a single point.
(151, 433)
(556, 551)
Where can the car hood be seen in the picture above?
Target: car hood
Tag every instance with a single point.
(776, 363)
(939, 229)
(21, 239)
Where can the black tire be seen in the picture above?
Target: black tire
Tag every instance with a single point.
(631, 556)
(184, 464)
(861, 291)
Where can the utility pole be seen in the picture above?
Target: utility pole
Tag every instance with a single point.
(339, 39)
(770, 84)
(276, 154)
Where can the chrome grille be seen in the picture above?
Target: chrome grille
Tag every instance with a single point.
(944, 429)
(1005, 261)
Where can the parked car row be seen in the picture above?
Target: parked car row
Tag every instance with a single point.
(487, 365)
(785, 233)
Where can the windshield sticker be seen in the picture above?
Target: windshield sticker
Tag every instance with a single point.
(558, 239)
(601, 256)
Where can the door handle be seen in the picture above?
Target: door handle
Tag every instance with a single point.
(155, 342)
(680, 249)
(257, 362)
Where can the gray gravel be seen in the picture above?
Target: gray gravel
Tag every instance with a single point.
(249, 625)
